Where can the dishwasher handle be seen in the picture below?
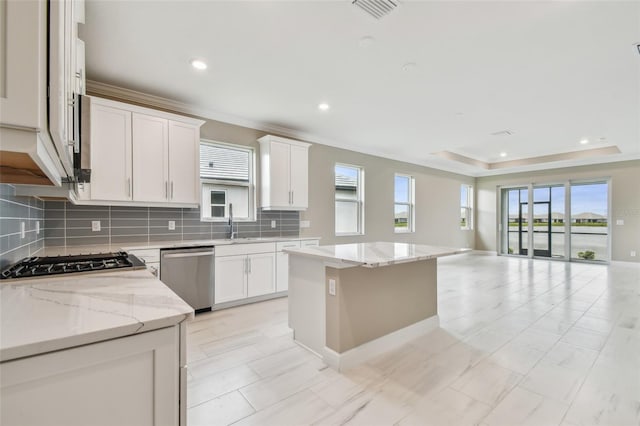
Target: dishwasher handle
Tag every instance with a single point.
(190, 254)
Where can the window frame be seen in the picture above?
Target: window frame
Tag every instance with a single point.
(410, 205)
(468, 208)
(220, 184)
(359, 201)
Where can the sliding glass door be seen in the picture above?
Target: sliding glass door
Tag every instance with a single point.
(590, 221)
(535, 221)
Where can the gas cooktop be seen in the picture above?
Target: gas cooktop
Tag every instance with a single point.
(31, 267)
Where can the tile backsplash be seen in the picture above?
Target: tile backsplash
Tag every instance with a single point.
(15, 210)
(67, 224)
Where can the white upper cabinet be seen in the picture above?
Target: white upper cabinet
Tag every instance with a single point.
(38, 60)
(150, 158)
(184, 164)
(111, 174)
(155, 153)
(284, 165)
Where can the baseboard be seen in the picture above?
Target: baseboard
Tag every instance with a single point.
(353, 357)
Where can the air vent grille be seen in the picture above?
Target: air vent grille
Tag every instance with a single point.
(376, 8)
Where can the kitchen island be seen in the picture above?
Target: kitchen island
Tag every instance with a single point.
(350, 302)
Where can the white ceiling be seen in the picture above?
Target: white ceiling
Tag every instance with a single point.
(550, 72)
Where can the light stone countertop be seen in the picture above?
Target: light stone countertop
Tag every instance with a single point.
(47, 314)
(373, 255)
(105, 248)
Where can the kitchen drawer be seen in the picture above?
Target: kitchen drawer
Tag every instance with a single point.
(287, 244)
(240, 249)
(147, 255)
(309, 243)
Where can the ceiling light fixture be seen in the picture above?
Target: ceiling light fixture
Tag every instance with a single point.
(199, 64)
(323, 106)
(503, 154)
(584, 141)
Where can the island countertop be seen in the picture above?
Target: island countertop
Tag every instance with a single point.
(52, 313)
(376, 254)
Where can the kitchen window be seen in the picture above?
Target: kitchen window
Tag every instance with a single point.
(403, 207)
(349, 197)
(466, 207)
(227, 176)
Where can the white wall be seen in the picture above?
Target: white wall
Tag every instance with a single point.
(625, 202)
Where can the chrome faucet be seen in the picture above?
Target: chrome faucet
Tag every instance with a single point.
(232, 234)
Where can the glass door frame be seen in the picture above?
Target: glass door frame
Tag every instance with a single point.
(500, 216)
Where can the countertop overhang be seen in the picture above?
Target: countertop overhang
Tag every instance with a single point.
(48, 314)
(375, 254)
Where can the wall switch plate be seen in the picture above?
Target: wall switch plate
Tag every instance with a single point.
(37, 227)
(633, 253)
(305, 223)
(23, 230)
(620, 222)
(332, 287)
(273, 223)
(95, 225)
(172, 225)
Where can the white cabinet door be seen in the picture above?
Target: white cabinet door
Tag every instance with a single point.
(132, 380)
(279, 189)
(230, 278)
(110, 154)
(150, 158)
(299, 177)
(23, 64)
(261, 274)
(184, 171)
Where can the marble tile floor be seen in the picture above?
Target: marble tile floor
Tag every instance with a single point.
(521, 342)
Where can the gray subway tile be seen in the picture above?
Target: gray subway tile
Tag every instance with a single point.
(54, 242)
(6, 189)
(9, 209)
(88, 214)
(115, 223)
(142, 213)
(54, 223)
(54, 233)
(54, 214)
(84, 241)
(120, 239)
(159, 230)
(85, 223)
(134, 230)
(54, 205)
(83, 207)
(9, 226)
(201, 236)
(13, 256)
(164, 237)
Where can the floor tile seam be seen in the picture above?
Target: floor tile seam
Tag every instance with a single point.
(220, 396)
(248, 415)
(245, 363)
(281, 400)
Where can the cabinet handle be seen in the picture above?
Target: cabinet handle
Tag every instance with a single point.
(249, 259)
(128, 187)
(246, 265)
(172, 190)
(166, 189)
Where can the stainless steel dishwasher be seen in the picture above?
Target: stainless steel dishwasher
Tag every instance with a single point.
(189, 272)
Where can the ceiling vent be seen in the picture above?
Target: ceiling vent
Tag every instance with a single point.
(502, 133)
(376, 8)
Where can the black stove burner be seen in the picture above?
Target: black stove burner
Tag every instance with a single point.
(55, 265)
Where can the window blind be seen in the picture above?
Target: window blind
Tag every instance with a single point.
(224, 163)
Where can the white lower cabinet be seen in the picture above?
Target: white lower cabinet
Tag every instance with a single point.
(244, 270)
(134, 380)
(231, 278)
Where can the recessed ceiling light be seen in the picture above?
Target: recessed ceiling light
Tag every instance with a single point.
(584, 141)
(199, 64)
(409, 66)
(323, 106)
(366, 41)
(503, 154)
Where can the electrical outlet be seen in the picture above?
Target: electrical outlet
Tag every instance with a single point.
(172, 225)
(23, 230)
(633, 253)
(620, 222)
(332, 287)
(273, 223)
(305, 223)
(37, 227)
(95, 225)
